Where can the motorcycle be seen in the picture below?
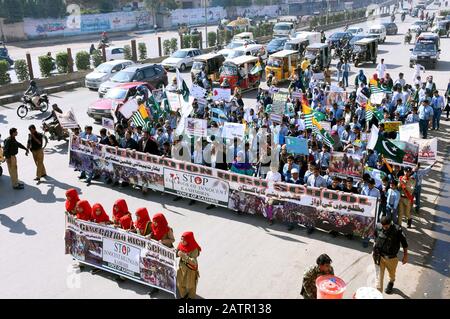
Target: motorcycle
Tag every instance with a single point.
(408, 38)
(28, 105)
(55, 131)
(337, 53)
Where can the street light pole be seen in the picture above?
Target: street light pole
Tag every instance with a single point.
(206, 25)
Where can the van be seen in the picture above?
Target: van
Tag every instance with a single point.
(430, 37)
(250, 49)
(312, 37)
(379, 30)
(283, 29)
(243, 36)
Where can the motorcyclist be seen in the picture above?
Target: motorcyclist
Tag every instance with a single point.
(346, 27)
(49, 54)
(408, 36)
(104, 38)
(392, 17)
(54, 127)
(323, 38)
(33, 90)
(403, 16)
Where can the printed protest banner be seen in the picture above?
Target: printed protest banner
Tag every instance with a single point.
(376, 174)
(233, 130)
(108, 123)
(296, 95)
(411, 153)
(129, 108)
(279, 102)
(67, 120)
(198, 92)
(196, 127)
(409, 130)
(174, 101)
(221, 95)
(335, 97)
(318, 76)
(116, 251)
(392, 126)
(296, 145)
(427, 152)
(322, 208)
(206, 189)
(346, 164)
(377, 98)
(276, 118)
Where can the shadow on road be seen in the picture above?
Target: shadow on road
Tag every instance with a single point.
(16, 227)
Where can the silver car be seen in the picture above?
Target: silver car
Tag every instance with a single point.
(104, 72)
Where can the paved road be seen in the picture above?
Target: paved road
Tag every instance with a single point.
(18, 51)
(242, 257)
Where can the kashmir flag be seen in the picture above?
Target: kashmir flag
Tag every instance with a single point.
(140, 117)
(182, 87)
(256, 69)
(319, 130)
(307, 112)
(375, 87)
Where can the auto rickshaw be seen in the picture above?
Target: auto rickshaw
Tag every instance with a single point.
(297, 44)
(238, 25)
(365, 50)
(238, 73)
(281, 64)
(442, 28)
(210, 63)
(320, 51)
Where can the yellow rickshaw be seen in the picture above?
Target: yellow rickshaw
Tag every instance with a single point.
(281, 64)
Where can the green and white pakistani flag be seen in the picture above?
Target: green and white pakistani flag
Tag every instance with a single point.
(154, 106)
(385, 147)
(182, 87)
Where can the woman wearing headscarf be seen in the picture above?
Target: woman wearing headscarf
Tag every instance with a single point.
(120, 209)
(187, 275)
(360, 78)
(126, 222)
(99, 215)
(161, 230)
(143, 222)
(71, 200)
(84, 210)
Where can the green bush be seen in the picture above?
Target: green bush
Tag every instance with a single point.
(45, 65)
(62, 62)
(166, 47)
(173, 45)
(186, 41)
(127, 52)
(82, 60)
(21, 68)
(4, 75)
(195, 41)
(228, 36)
(97, 58)
(212, 39)
(142, 51)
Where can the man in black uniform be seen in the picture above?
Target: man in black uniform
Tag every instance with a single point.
(388, 237)
(10, 150)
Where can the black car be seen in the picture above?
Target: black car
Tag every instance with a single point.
(355, 38)
(391, 28)
(277, 44)
(336, 38)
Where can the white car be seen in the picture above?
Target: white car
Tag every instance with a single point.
(114, 53)
(181, 59)
(104, 72)
(355, 30)
(238, 43)
(250, 49)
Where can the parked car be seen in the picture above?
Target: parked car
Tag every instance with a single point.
(337, 37)
(355, 30)
(113, 99)
(153, 74)
(391, 28)
(115, 53)
(181, 59)
(104, 72)
(276, 45)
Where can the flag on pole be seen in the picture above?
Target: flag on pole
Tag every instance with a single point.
(307, 112)
(182, 87)
(319, 130)
(385, 147)
(154, 106)
(140, 117)
(256, 69)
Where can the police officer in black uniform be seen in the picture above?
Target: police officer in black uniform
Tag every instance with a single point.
(388, 238)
